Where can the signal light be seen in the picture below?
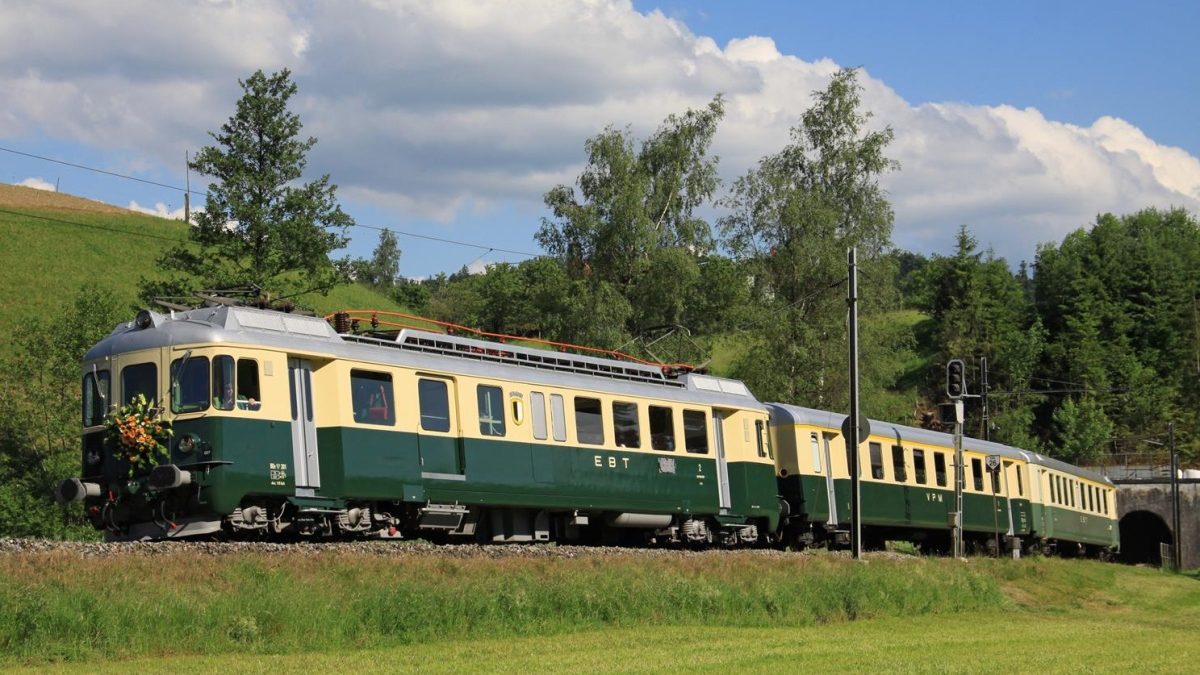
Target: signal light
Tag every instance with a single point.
(956, 379)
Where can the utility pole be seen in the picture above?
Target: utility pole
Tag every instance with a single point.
(187, 190)
(852, 430)
(983, 391)
(1177, 531)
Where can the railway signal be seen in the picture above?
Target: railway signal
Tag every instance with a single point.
(956, 379)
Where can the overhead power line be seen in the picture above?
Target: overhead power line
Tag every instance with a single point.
(482, 247)
(91, 226)
(95, 170)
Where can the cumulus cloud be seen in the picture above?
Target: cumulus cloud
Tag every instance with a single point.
(437, 111)
(37, 183)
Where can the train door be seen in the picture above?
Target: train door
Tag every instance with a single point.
(832, 494)
(440, 439)
(304, 431)
(718, 424)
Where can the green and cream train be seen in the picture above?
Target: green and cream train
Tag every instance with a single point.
(284, 426)
(1010, 496)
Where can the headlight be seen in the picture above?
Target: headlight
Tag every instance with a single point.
(187, 444)
(92, 457)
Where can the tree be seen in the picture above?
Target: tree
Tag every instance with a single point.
(792, 219)
(39, 414)
(635, 201)
(258, 227)
(383, 269)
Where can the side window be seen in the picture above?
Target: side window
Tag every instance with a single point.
(876, 461)
(248, 397)
(434, 401)
(764, 439)
(1104, 500)
(558, 417)
(589, 421)
(919, 466)
(695, 431)
(977, 474)
(491, 410)
(141, 379)
(223, 393)
(1020, 483)
(95, 397)
(537, 405)
(1071, 491)
(371, 396)
(995, 481)
(189, 386)
(898, 468)
(627, 432)
(662, 428)
(939, 468)
(816, 452)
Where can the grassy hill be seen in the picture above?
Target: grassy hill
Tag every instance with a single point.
(56, 244)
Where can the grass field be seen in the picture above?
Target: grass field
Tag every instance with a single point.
(55, 245)
(601, 612)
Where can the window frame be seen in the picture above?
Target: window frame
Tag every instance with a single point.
(495, 400)
(178, 380)
(659, 441)
(920, 471)
(365, 387)
(689, 435)
(125, 398)
(589, 426)
(442, 388)
(99, 396)
(621, 438)
(875, 451)
(899, 469)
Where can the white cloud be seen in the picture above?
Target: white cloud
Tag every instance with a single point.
(159, 209)
(436, 111)
(37, 183)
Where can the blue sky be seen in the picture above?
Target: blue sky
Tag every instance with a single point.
(451, 120)
(1074, 61)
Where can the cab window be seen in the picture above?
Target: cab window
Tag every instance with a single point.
(189, 384)
(141, 378)
(95, 397)
(372, 399)
(223, 392)
(248, 397)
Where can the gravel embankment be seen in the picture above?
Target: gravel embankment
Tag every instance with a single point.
(376, 548)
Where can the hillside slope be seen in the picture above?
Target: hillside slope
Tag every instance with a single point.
(56, 244)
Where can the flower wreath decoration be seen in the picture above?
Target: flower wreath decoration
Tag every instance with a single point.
(135, 433)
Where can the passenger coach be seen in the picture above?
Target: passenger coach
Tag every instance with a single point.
(284, 425)
(907, 489)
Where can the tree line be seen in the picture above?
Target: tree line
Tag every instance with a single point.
(1090, 349)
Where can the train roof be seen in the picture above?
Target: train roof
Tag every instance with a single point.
(419, 349)
(810, 416)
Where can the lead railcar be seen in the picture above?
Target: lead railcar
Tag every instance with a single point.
(283, 425)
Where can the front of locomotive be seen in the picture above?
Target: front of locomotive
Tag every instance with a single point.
(149, 468)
